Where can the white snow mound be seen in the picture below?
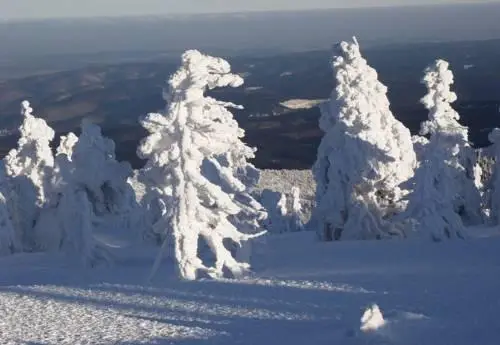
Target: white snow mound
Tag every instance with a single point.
(372, 319)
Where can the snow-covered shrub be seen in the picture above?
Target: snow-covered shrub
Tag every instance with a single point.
(275, 204)
(438, 184)
(295, 216)
(29, 170)
(196, 128)
(72, 219)
(91, 192)
(363, 157)
(67, 144)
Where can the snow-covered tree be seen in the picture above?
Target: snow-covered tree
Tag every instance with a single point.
(295, 221)
(90, 192)
(444, 119)
(196, 128)
(9, 238)
(275, 204)
(363, 157)
(29, 169)
(494, 184)
(438, 181)
(33, 157)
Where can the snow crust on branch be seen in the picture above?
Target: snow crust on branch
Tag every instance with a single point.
(364, 155)
(196, 128)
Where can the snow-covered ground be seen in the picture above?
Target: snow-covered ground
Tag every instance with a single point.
(296, 104)
(302, 292)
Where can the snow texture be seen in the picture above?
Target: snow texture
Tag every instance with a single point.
(296, 297)
(193, 129)
(363, 157)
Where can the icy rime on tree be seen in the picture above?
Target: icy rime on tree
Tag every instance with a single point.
(363, 157)
(439, 180)
(444, 119)
(91, 190)
(29, 169)
(196, 128)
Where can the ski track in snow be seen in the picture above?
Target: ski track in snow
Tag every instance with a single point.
(302, 292)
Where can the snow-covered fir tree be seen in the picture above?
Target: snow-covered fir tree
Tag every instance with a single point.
(443, 119)
(439, 180)
(91, 192)
(493, 198)
(295, 216)
(29, 170)
(196, 128)
(363, 157)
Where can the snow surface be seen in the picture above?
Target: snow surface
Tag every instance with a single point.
(302, 292)
(296, 104)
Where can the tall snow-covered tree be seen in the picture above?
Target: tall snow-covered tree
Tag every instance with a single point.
(443, 120)
(363, 157)
(196, 128)
(438, 181)
(29, 170)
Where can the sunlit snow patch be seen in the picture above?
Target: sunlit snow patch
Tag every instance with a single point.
(372, 319)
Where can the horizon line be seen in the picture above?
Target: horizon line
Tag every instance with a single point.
(239, 13)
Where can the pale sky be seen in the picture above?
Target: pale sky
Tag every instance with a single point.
(15, 9)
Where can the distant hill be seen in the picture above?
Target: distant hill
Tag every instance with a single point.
(114, 96)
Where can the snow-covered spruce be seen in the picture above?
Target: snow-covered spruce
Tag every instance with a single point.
(493, 199)
(91, 191)
(196, 128)
(443, 119)
(363, 157)
(438, 184)
(29, 170)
